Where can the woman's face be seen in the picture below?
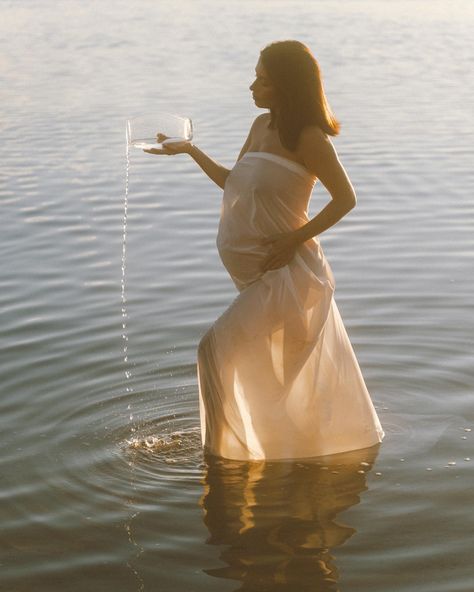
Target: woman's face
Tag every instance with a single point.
(262, 90)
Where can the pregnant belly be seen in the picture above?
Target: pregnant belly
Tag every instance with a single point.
(243, 260)
(243, 267)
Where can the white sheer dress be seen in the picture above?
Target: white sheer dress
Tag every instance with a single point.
(278, 377)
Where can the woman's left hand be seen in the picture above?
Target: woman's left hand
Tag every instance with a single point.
(282, 249)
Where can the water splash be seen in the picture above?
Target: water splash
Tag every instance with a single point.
(173, 447)
(128, 388)
(128, 373)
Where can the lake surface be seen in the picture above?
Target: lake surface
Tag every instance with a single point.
(86, 504)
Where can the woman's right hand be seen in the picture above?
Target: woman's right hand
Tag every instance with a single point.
(172, 148)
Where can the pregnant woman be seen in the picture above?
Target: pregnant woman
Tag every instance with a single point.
(278, 378)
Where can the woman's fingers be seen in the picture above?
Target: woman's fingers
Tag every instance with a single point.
(273, 265)
(171, 148)
(178, 147)
(281, 250)
(277, 259)
(157, 151)
(275, 262)
(270, 239)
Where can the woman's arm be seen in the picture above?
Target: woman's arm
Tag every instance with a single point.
(214, 170)
(320, 158)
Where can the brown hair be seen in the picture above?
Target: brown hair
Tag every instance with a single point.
(296, 77)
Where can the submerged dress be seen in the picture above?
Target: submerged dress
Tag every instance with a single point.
(278, 378)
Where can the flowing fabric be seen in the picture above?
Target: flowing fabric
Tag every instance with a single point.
(278, 378)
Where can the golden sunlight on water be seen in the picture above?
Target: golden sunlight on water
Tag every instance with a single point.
(104, 485)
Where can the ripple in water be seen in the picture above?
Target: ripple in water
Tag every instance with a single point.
(178, 446)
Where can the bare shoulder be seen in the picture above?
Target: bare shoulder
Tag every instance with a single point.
(313, 138)
(264, 116)
(315, 148)
(261, 120)
(256, 129)
(259, 129)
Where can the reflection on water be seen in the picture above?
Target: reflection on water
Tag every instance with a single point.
(277, 521)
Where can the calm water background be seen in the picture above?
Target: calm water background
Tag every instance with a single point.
(84, 510)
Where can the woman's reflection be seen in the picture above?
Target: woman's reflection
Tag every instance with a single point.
(277, 520)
